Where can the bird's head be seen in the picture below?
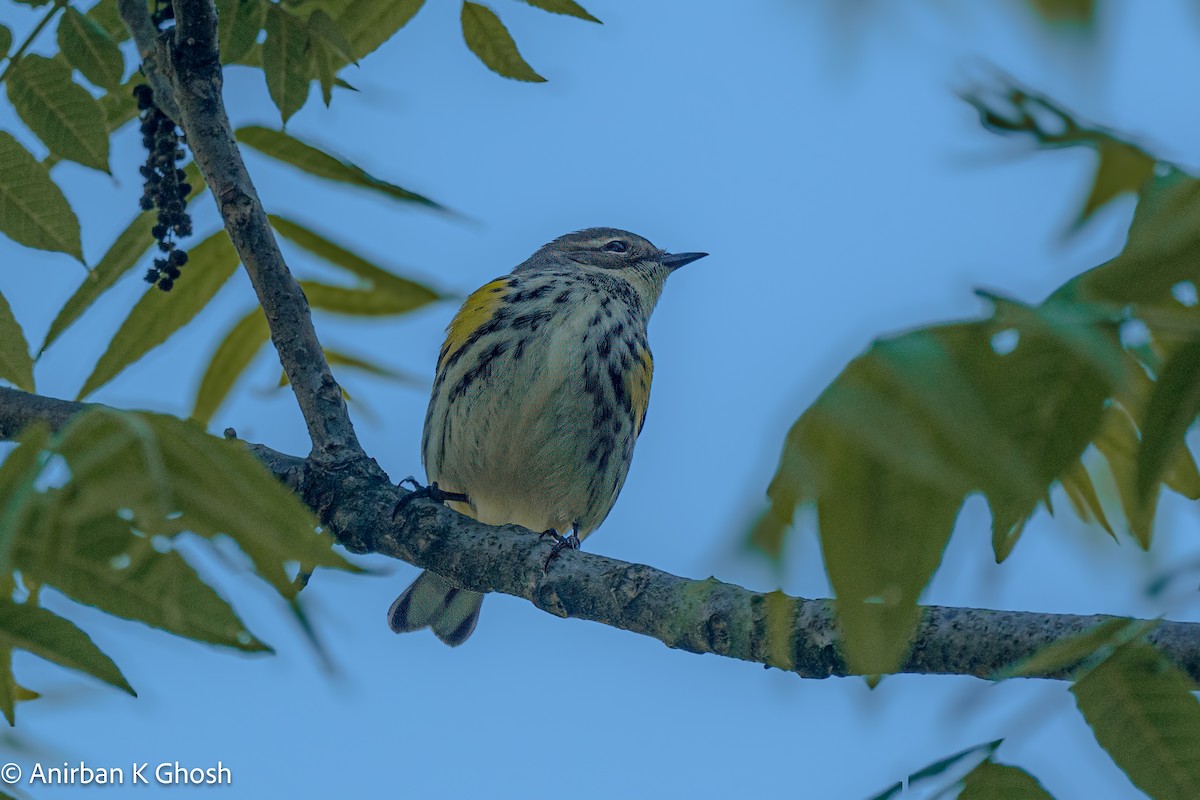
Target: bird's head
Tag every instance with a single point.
(620, 253)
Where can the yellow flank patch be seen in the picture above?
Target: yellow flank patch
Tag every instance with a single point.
(637, 385)
(476, 312)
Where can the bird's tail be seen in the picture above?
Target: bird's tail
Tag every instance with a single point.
(432, 601)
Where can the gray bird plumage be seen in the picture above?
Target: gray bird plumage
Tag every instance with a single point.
(540, 393)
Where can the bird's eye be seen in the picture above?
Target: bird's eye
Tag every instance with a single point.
(615, 246)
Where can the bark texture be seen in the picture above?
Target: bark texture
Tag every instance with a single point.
(355, 500)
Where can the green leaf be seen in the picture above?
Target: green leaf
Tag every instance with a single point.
(11, 692)
(230, 360)
(323, 63)
(354, 302)
(62, 113)
(1073, 12)
(1117, 440)
(238, 24)
(33, 210)
(1077, 650)
(893, 791)
(119, 105)
(16, 366)
(49, 636)
(1121, 168)
(322, 26)
(285, 148)
(367, 24)
(175, 477)
(992, 781)
(890, 451)
(943, 765)
(492, 44)
(336, 358)
(5, 40)
(1081, 491)
(98, 560)
(160, 314)
(876, 579)
(286, 61)
(398, 294)
(122, 256)
(1162, 250)
(1182, 474)
(90, 50)
(17, 495)
(568, 7)
(1173, 406)
(108, 17)
(1143, 713)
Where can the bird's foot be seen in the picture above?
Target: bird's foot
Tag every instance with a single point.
(560, 543)
(431, 491)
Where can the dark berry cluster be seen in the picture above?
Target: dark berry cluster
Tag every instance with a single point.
(165, 189)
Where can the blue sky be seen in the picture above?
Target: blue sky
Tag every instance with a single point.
(844, 193)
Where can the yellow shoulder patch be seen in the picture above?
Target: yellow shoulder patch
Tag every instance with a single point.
(476, 312)
(637, 385)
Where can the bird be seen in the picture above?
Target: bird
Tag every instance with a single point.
(540, 393)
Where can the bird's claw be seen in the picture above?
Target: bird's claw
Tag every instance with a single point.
(560, 543)
(431, 491)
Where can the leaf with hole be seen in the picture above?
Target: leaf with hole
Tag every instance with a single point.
(174, 477)
(96, 559)
(1162, 250)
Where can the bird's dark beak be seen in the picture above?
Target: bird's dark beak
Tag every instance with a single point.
(673, 261)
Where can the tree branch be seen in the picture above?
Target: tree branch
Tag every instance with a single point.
(355, 500)
(195, 75)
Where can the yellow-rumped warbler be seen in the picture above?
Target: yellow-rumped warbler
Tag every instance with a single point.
(540, 393)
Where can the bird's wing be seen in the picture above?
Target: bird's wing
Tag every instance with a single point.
(478, 310)
(637, 385)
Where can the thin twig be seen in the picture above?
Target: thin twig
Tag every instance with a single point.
(59, 5)
(195, 70)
